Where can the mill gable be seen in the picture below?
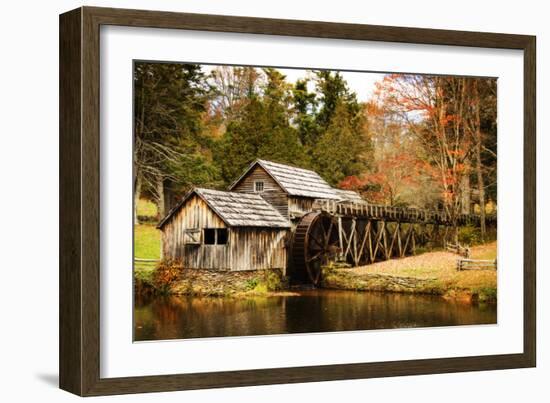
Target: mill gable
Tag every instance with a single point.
(289, 189)
(212, 229)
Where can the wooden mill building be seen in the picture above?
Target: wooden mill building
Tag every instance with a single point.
(276, 216)
(292, 191)
(247, 227)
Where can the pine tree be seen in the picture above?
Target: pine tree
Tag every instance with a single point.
(343, 146)
(340, 150)
(168, 137)
(261, 130)
(305, 106)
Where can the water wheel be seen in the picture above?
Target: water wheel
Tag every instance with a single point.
(314, 244)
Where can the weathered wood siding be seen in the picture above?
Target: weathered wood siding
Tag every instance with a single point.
(248, 248)
(258, 248)
(272, 193)
(195, 214)
(300, 204)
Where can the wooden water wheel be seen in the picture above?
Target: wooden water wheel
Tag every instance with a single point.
(314, 244)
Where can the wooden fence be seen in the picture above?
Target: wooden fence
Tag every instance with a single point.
(473, 264)
(145, 263)
(458, 249)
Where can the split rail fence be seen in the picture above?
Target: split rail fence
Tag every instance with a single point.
(474, 264)
(140, 263)
(458, 249)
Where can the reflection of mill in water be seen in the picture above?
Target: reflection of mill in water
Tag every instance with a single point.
(158, 318)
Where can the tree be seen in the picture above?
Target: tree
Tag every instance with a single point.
(305, 107)
(168, 138)
(435, 110)
(340, 150)
(333, 92)
(339, 144)
(232, 88)
(261, 129)
(482, 96)
(398, 179)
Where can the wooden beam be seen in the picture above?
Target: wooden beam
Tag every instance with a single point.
(381, 226)
(407, 239)
(394, 236)
(340, 240)
(350, 239)
(387, 253)
(413, 249)
(366, 232)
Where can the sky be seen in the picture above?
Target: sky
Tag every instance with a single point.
(362, 83)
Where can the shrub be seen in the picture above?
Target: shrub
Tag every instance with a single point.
(250, 284)
(469, 235)
(273, 281)
(165, 275)
(144, 274)
(486, 294)
(269, 280)
(143, 280)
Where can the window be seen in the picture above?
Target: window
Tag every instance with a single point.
(192, 236)
(210, 236)
(216, 236)
(222, 236)
(259, 186)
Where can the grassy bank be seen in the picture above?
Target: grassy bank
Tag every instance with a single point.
(146, 241)
(429, 273)
(146, 235)
(169, 278)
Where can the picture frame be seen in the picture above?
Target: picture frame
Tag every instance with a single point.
(80, 153)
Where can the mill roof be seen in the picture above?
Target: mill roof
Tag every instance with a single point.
(349, 195)
(300, 182)
(236, 209)
(294, 181)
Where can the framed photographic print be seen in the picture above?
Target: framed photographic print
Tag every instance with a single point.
(249, 201)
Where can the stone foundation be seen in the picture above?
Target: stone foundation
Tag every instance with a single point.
(226, 283)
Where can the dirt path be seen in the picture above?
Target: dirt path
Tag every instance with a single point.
(432, 272)
(426, 265)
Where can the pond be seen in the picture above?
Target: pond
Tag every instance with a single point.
(161, 318)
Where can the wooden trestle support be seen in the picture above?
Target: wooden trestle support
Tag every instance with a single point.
(361, 233)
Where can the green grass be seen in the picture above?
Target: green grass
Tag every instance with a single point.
(146, 208)
(146, 242)
(144, 274)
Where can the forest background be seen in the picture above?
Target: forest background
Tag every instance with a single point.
(420, 141)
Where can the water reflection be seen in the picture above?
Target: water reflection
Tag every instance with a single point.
(158, 318)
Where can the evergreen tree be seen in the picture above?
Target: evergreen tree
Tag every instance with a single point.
(261, 130)
(168, 138)
(333, 91)
(340, 150)
(343, 146)
(305, 106)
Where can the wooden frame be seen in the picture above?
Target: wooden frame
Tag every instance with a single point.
(79, 201)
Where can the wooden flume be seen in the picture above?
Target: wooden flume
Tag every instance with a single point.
(362, 233)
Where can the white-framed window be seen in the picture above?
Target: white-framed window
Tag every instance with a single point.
(258, 186)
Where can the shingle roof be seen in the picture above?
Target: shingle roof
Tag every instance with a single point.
(294, 181)
(349, 195)
(301, 182)
(237, 209)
